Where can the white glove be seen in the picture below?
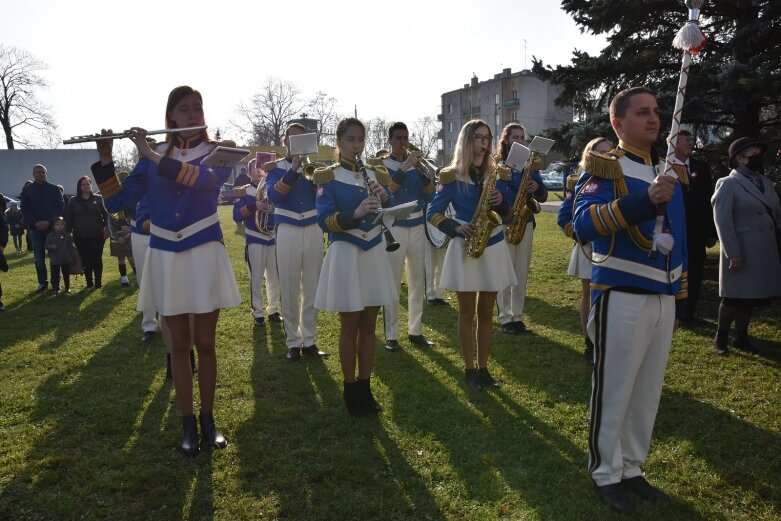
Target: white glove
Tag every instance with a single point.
(664, 243)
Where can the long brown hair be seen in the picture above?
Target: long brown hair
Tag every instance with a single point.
(464, 153)
(78, 185)
(502, 148)
(174, 97)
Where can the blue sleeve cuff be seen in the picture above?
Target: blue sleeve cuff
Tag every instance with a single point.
(448, 226)
(290, 177)
(346, 221)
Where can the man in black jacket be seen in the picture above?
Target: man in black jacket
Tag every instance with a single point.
(700, 228)
(41, 203)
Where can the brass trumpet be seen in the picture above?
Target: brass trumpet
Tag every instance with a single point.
(310, 166)
(429, 168)
(126, 133)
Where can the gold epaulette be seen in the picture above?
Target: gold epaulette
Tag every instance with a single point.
(381, 173)
(374, 161)
(572, 180)
(605, 166)
(240, 191)
(447, 175)
(537, 163)
(505, 173)
(225, 143)
(324, 174)
(268, 166)
(680, 171)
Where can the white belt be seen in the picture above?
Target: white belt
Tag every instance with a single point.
(365, 236)
(258, 235)
(185, 232)
(413, 215)
(294, 215)
(636, 268)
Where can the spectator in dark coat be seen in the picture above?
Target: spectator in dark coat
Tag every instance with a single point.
(700, 228)
(28, 240)
(15, 221)
(41, 203)
(3, 242)
(87, 219)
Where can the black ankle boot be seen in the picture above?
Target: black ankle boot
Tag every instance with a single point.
(352, 399)
(193, 365)
(168, 373)
(189, 445)
(720, 343)
(367, 398)
(210, 436)
(742, 342)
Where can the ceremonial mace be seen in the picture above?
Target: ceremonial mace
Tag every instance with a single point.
(691, 40)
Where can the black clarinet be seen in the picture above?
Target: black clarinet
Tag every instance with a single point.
(390, 242)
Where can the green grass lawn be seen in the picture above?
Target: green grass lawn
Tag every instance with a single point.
(89, 427)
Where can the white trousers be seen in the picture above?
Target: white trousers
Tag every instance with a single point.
(632, 336)
(512, 300)
(299, 261)
(140, 243)
(435, 258)
(412, 253)
(261, 260)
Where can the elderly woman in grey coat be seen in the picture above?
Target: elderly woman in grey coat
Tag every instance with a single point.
(747, 213)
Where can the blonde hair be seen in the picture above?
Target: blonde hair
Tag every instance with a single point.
(464, 153)
(591, 145)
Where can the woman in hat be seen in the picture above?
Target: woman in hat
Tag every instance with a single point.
(747, 213)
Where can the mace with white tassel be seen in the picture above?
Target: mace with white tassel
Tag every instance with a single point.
(691, 40)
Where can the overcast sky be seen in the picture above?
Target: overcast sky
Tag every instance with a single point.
(112, 64)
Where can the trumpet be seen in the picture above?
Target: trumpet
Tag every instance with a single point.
(390, 241)
(429, 168)
(126, 133)
(310, 167)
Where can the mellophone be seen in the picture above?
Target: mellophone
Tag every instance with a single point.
(126, 133)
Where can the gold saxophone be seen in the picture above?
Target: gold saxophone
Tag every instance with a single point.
(525, 204)
(484, 219)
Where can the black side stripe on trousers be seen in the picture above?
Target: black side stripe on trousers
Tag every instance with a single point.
(249, 266)
(600, 333)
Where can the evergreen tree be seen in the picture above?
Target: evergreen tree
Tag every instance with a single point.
(734, 85)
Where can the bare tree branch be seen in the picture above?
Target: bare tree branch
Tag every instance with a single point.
(20, 109)
(263, 119)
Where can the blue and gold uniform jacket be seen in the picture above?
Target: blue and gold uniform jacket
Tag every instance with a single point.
(140, 222)
(564, 217)
(509, 189)
(406, 187)
(293, 195)
(341, 188)
(182, 194)
(614, 212)
(244, 210)
(464, 196)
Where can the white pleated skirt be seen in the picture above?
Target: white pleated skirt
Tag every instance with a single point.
(579, 265)
(492, 271)
(353, 278)
(198, 280)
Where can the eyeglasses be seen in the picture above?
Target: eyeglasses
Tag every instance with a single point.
(483, 137)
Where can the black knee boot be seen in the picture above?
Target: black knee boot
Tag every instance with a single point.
(189, 445)
(210, 436)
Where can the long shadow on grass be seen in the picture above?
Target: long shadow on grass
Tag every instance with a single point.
(746, 457)
(63, 314)
(484, 437)
(303, 457)
(101, 448)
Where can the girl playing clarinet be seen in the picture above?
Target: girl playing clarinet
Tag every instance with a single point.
(356, 277)
(475, 280)
(187, 274)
